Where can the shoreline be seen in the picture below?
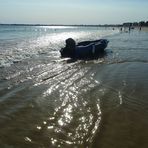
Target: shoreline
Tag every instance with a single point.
(75, 25)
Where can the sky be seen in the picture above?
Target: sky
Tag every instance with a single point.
(73, 11)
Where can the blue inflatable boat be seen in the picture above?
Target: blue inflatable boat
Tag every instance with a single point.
(84, 50)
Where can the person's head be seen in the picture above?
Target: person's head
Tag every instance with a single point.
(70, 43)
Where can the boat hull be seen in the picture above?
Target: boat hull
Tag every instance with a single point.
(87, 50)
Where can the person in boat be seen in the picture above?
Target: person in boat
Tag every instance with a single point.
(85, 49)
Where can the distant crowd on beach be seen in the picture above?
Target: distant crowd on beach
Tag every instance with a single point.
(129, 28)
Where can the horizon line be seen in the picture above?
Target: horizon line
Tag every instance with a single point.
(42, 24)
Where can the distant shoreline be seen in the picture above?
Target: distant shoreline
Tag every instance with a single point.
(106, 25)
(118, 25)
(126, 24)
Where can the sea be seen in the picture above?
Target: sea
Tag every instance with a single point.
(51, 102)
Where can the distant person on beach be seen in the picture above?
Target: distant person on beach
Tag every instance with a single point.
(140, 28)
(129, 29)
(121, 29)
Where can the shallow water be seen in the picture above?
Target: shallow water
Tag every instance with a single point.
(49, 102)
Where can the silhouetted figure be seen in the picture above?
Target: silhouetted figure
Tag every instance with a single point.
(140, 28)
(69, 49)
(129, 29)
(121, 29)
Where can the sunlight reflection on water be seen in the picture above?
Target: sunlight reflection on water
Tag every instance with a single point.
(74, 121)
(50, 102)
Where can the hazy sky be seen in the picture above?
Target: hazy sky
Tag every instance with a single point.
(73, 11)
